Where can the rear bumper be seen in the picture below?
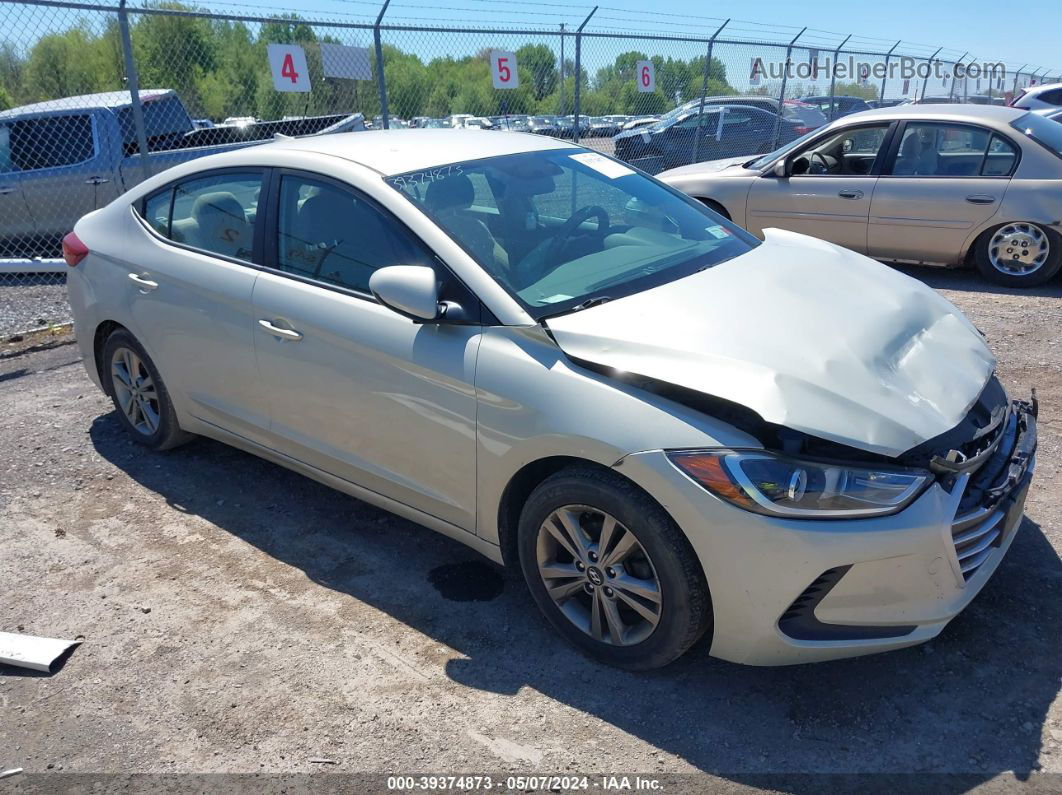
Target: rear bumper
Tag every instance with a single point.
(786, 591)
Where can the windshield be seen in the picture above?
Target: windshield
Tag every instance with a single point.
(562, 227)
(1045, 131)
(781, 151)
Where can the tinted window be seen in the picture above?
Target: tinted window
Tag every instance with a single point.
(216, 213)
(164, 119)
(330, 234)
(51, 141)
(951, 150)
(5, 149)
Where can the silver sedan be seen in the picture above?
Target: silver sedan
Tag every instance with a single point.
(575, 370)
(944, 185)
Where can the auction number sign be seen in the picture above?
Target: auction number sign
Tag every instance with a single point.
(645, 76)
(503, 69)
(287, 62)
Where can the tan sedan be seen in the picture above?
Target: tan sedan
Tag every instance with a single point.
(945, 185)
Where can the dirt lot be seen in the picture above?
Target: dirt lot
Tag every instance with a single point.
(240, 618)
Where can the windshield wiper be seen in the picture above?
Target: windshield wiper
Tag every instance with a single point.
(589, 302)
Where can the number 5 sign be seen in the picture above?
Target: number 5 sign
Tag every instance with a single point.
(503, 69)
(645, 75)
(288, 64)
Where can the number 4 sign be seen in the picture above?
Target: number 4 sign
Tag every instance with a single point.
(288, 65)
(503, 69)
(645, 76)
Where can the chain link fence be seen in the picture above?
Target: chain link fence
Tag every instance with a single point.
(94, 98)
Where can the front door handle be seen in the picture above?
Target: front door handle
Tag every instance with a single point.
(97, 181)
(980, 198)
(848, 193)
(283, 333)
(145, 285)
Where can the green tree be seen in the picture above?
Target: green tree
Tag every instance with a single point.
(538, 68)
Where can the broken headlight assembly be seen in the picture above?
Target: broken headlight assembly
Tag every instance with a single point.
(777, 485)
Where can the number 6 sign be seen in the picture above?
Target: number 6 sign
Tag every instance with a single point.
(503, 69)
(645, 76)
(288, 64)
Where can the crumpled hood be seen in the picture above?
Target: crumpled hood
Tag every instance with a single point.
(805, 333)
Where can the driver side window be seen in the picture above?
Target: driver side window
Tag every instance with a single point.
(846, 153)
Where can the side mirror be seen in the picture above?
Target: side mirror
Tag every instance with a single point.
(410, 290)
(780, 169)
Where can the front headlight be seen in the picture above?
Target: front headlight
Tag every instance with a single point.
(775, 485)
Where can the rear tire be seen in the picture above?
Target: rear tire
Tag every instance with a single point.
(139, 393)
(1018, 254)
(628, 589)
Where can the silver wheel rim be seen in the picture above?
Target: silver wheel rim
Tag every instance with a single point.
(598, 575)
(1019, 249)
(135, 391)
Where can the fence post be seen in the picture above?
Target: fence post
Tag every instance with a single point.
(833, 73)
(560, 109)
(381, 82)
(954, 77)
(704, 92)
(884, 77)
(781, 94)
(133, 81)
(579, 72)
(929, 68)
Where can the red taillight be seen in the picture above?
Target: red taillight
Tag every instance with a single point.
(802, 130)
(74, 250)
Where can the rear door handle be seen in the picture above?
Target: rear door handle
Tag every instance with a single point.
(145, 285)
(97, 181)
(980, 198)
(851, 194)
(283, 333)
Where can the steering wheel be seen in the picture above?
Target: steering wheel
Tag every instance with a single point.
(567, 229)
(825, 166)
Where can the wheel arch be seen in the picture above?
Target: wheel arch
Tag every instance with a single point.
(716, 205)
(99, 339)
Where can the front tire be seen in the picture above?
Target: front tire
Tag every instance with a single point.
(611, 570)
(1019, 254)
(139, 394)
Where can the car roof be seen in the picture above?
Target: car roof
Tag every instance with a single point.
(106, 99)
(398, 151)
(1034, 90)
(975, 114)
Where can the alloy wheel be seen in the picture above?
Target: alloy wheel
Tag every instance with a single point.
(1019, 249)
(599, 575)
(135, 391)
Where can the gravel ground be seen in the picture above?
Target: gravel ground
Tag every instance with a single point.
(240, 618)
(31, 302)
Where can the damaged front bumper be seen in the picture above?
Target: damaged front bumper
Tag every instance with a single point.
(792, 591)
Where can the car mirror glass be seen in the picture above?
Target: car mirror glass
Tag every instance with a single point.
(410, 290)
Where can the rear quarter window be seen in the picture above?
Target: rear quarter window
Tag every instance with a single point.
(51, 141)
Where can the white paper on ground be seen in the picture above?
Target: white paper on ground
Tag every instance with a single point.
(27, 651)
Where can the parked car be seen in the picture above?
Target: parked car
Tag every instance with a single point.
(542, 125)
(635, 122)
(925, 184)
(593, 387)
(842, 106)
(1048, 95)
(723, 131)
(602, 127)
(63, 158)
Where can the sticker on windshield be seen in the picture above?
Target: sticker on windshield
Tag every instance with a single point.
(556, 299)
(717, 231)
(602, 165)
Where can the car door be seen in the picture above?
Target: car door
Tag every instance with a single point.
(354, 388)
(190, 275)
(744, 131)
(68, 161)
(16, 223)
(943, 181)
(829, 189)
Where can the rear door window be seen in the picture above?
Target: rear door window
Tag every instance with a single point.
(952, 150)
(51, 142)
(215, 213)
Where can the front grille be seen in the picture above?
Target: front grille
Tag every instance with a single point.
(975, 535)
